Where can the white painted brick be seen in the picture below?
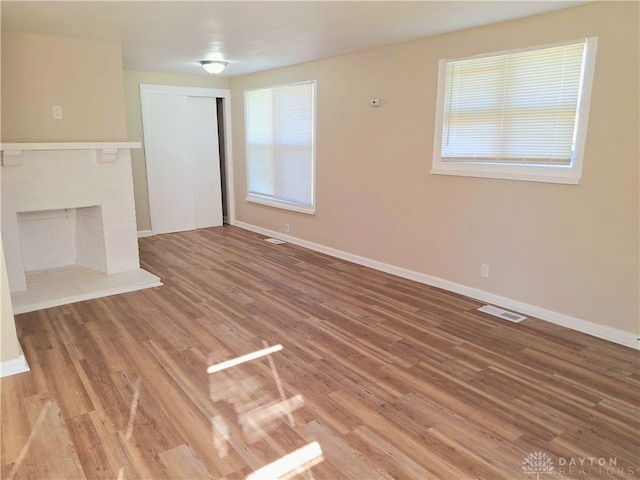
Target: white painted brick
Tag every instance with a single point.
(52, 180)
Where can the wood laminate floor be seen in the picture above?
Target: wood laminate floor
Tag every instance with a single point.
(391, 378)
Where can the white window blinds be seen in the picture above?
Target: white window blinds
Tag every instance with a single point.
(280, 126)
(519, 107)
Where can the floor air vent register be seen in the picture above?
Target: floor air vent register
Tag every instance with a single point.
(274, 241)
(504, 314)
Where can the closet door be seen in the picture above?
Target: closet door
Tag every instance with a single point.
(205, 161)
(169, 176)
(182, 159)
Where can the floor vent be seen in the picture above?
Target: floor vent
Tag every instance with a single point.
(504, 314)
(274, 241)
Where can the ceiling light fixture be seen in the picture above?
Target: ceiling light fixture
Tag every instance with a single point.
(213, 66)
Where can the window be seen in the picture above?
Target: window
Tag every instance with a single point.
(520, 114)
(280, 145)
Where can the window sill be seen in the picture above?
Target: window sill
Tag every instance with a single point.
(282, 205)
(550, 175)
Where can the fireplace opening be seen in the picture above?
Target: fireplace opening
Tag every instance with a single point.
(62, 244)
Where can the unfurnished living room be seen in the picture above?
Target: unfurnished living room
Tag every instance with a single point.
(320, 240)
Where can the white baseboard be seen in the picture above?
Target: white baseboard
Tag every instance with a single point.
(145, 233)
(14, 366)
(604, 332)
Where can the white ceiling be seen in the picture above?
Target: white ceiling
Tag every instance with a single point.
(172, 36)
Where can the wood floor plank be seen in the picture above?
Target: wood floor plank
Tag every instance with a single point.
(181, 462)
(392, 378)
(63, 381)
(341, 461)
(49, 451)
(16, 426)
(385, 455)
(117, 462)
(92, 456)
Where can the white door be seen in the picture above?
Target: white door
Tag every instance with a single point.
(205, 166)
(182, 158)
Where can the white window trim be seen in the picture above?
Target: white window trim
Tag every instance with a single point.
(282, 204)
(566, 174)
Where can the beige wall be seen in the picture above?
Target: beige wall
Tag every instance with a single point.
(132, 81)
(569, 249)
(9, 346)
(83, 77)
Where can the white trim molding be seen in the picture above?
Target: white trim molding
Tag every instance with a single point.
(621, 337)
(14, 366)
(145, 233)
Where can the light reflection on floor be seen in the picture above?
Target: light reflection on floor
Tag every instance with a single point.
(251, 405)
(290, 465)
(27, 445)
(133, 408)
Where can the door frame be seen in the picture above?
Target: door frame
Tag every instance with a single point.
(225, 95)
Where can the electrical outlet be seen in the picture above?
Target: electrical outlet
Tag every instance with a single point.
(484, 270)
(286, 227)
(57, 112)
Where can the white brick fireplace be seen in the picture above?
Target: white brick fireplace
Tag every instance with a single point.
(68, 223)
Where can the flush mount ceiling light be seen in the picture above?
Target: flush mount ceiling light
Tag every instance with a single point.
(213, 66)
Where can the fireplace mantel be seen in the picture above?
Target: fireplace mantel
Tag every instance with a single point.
(106, 151)
(18, 147)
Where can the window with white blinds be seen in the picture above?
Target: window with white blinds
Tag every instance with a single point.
(519, 114)
(280, 145)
